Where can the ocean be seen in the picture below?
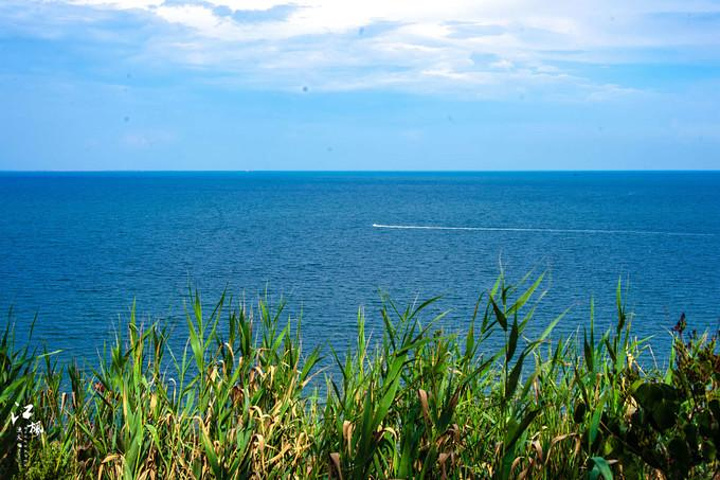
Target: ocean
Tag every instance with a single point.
(76, 249)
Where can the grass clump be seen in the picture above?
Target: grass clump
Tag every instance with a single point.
(417, 403)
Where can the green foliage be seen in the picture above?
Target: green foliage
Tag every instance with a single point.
(239, 401)
(673, 423)
(48, 461)
(18, 380)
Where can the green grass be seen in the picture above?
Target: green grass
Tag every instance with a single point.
(238, 401)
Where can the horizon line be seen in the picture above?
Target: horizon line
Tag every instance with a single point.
(251, 171)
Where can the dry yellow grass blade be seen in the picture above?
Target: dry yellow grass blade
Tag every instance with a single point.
(335, 468)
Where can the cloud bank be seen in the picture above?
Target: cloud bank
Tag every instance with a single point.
(480, 49)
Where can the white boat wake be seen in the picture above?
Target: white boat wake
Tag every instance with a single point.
(542, 230)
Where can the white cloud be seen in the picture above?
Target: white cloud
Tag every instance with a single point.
(146, 139)
(119, 4)
(415, 45)
(503, 64)
(193, 16)
(201, 20)
(251, 5)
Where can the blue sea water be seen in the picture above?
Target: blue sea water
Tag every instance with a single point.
(78, 248)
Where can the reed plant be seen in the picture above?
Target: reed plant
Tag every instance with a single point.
(243, 400)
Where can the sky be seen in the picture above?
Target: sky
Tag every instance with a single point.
(359, 84)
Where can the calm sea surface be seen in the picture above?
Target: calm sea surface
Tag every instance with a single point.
(78, 248)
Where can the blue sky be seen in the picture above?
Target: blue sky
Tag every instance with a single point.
(359, 85)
